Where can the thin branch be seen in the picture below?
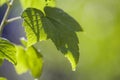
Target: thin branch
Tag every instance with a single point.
(5, 16)
(13, 19)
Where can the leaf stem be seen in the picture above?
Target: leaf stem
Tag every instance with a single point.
(6, 15)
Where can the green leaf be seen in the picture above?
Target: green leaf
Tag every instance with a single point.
(58, 16)
(35, 61)
(29, 59)
(7, 50)
(61, 28)
(21, 56)
(2, 78)
(64, 39)
(33, 26)
(39, 4)
(55, 25)
(2, 2)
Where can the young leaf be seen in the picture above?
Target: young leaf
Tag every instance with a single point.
(33, 26)
(7, 50)
(29, 60)
(2, 78)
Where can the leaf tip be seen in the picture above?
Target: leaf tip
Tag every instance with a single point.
(72, 60)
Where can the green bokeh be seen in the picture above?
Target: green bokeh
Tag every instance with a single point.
(100, 41)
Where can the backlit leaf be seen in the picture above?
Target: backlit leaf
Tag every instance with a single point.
(7, 50)
(22, 64)
(35, 61)
(33, 26)
(55, 25)
(61, 28)
(29, 59)
(65, 40)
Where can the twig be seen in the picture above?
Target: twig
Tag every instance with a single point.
(5, 16)
(13, 19)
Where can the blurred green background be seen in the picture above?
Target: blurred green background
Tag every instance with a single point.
(99, 44)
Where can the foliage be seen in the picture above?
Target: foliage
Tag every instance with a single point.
(31, 61)
(39, 4)
(41, 23)
(56, 25)
(7, 50)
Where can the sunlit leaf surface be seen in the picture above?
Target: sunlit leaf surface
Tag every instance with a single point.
(29, 59)
(33, 26)
(7, 50)
(55, 25)
(35, 61)
(22, 64)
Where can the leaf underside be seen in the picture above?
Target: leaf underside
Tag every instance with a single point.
(7, 51)
(55, 25)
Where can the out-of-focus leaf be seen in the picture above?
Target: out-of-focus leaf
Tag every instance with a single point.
(22, 64)
(33, 26)
(2, 78)
(2, 2)
(35, 61)
(7, 50)
(29, 59)
(39, 4)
